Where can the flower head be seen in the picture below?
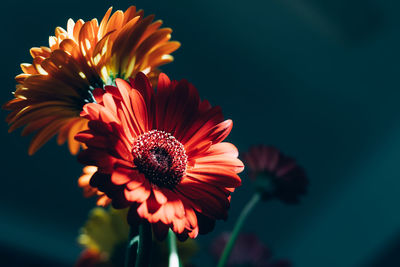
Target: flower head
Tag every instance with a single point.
(275, 174)
(88, 191)
(161, 153)
(104, 230)
(247, 251)
(53, 89)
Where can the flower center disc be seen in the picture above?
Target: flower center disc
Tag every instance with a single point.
(160, 157)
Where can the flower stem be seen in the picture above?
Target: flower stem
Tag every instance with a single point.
(131, 248)
(173, 250)
(236, 230)
(144, 247)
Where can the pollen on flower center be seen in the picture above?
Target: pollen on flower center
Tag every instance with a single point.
(160, 157)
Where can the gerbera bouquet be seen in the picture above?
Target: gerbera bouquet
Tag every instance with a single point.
(154, 152)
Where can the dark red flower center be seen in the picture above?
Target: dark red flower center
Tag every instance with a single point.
(160, 157)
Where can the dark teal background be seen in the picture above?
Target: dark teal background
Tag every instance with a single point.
(319, 79)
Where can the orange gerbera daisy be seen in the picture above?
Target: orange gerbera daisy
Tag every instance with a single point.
(161, 153)
(89, 191)
(52, 90)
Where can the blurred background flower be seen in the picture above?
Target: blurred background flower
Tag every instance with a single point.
(104, 230)
(105, 235)
(248, 251)
(92, 258)
(275, 175)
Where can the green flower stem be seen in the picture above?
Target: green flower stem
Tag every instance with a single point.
(144, 247)
(173, 250)
(236, 230)
(131, 249)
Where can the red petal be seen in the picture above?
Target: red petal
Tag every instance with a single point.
(98, 158)
(136, 182)
(139, 108)
(209, 162)
(163, 82)
(140, 194)
(218, 133)
(159, 195)
(98, 95)
(215, 176)
(208, 200)
(224, 148)
(121, 176)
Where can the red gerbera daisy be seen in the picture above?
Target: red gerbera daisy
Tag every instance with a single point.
(162, 154)
(275, 174)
